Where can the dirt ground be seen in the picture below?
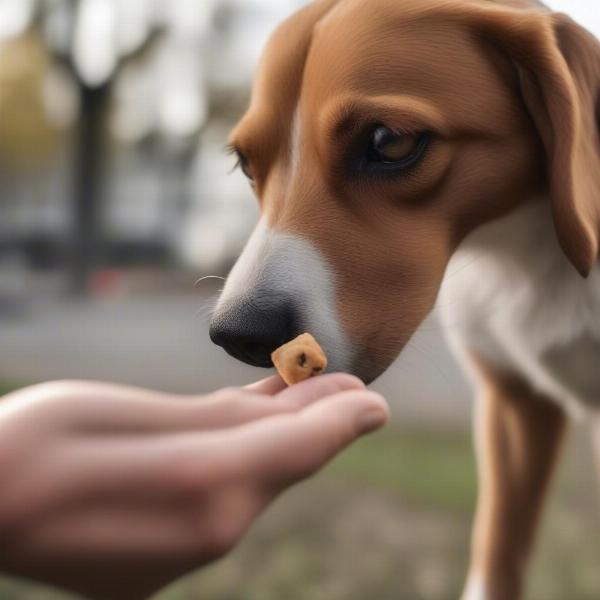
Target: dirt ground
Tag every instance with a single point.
(390, 520)
(160, 339)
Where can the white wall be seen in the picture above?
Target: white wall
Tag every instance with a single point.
(587, 12)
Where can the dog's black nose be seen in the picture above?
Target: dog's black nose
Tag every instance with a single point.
(252, 330)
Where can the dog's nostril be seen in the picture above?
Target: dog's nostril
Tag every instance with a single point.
(250, 332)
(256, 353)
(252, 347)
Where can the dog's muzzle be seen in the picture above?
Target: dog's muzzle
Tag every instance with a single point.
(252, 328)
(280, 287)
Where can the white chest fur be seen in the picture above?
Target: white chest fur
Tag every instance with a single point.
(512, 296)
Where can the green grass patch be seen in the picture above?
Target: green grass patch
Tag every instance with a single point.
(434, 469)
(389, 520)
(7, 387)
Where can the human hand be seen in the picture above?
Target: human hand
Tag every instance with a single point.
(113, 491)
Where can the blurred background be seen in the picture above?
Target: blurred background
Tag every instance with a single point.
(116, 196)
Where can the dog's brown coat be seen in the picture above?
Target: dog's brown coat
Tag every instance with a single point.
(511, 92)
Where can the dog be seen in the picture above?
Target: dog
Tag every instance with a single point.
(403, 151)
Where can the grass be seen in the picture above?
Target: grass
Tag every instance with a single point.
(427, 468)
(7, 387)
(389, 520)
(377, 523)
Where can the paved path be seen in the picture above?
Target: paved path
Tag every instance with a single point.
(162, 341)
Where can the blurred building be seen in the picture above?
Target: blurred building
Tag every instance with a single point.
(114, 117)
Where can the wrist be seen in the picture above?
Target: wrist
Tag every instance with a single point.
(11, 509)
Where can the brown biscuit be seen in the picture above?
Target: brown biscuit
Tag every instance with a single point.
(299, 359)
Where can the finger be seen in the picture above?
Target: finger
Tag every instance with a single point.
(122, 409)
(269, 386)
(96, 407)
(283, 449)
(229, 407)
(314, 389)
(266, 455)
(233, 407)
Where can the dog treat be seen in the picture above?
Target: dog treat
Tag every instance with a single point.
(299, 359)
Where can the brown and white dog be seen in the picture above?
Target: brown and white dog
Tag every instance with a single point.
(392, 141)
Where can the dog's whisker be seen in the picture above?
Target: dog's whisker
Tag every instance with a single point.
(207, 308)
(199, 281)
(204, 315)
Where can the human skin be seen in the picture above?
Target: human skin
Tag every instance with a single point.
(114, 492)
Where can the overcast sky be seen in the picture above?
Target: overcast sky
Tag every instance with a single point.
(587, 12)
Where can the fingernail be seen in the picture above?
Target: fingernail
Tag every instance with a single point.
(371, 420)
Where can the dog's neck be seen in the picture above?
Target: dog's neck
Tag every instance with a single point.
(523, 243)
(511, 295)
(518, 247)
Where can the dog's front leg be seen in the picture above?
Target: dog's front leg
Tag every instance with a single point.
(595, 431)
(518, 436)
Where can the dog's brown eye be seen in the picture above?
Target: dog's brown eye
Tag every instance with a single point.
(242, 161)
(244, 165)
(390, 147)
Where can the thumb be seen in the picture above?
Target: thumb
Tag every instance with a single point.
(287, 448)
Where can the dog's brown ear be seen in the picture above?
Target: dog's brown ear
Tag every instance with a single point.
(559, 68)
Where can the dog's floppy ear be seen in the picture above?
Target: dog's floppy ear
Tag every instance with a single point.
(559, 69)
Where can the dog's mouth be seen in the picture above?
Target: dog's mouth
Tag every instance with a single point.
(252, 328)
(280, 287)
(250, 334)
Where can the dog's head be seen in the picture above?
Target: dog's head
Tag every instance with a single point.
(381, 133)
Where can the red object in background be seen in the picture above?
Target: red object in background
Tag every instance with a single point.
(106, 282)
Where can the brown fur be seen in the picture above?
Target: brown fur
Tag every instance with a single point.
(511, 93)
(518, 437)
(347, 63)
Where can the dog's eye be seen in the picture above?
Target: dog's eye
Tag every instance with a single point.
(242, 162)
(398, 150)
(244, 165)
